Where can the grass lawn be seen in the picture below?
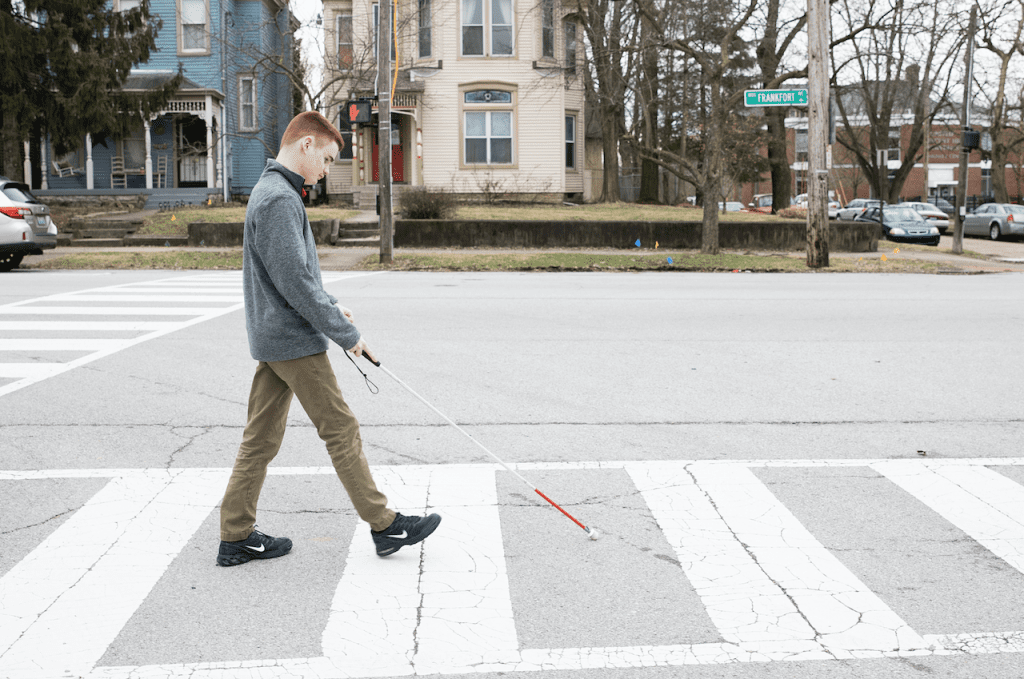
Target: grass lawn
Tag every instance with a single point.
(179, 259)
(599, 261)
(604, 212)
(175, 222)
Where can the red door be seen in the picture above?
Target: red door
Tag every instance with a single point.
(397, 164)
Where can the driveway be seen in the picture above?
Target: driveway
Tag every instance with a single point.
(1000, 249)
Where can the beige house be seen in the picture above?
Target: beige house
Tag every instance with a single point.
(488, 98)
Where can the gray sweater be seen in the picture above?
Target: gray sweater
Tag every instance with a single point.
(288, 314)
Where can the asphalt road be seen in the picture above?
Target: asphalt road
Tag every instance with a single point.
(793, 475)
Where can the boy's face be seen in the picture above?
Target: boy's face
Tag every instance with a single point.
(317, 159)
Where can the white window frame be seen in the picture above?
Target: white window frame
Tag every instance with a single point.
(425, 27)
(489, 109)
(193, 51)
(895, 141)
(254, 103)
(570, 46)
(547, 29)
(344, 17)
(487, 29)
(570, 116)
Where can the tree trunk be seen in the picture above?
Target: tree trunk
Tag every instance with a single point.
(712, 183)
(10, 147)
(649, 101)
(778, 158)
(610, 144)
(999, 153)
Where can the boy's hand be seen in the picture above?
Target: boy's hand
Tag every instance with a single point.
(347, 313)
(360, 348)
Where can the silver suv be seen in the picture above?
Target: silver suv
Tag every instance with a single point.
(25, 224)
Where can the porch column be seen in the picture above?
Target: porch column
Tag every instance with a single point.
(220, 165)
(90, 183)
(211, 178)
(149, 155)
(44, 184)
(27, 165)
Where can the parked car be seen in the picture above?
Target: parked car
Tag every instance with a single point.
(833, 205)
(943, 205)
(901, 224)
(995, 220)
(855, 207)
(931, 214)
(731, 206)
(25, 224)
(762, 203)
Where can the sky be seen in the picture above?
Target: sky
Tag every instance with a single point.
(311, 34)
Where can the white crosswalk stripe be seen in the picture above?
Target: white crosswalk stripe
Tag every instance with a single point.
(209, 295)
(770, 587)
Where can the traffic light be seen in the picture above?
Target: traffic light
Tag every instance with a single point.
(358, 111)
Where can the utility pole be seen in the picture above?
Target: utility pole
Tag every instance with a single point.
(817, 133)
(387, 215)
(965, 152)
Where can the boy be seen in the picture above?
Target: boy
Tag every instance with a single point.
(289, 318)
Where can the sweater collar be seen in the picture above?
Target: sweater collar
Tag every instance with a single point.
(294, 178)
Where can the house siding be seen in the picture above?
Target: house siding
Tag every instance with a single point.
(540, 103)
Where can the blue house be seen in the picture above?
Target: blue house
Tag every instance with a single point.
(214, 136)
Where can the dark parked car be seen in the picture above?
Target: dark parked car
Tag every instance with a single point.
(901, 224)
(995, 220)
(25, 224)
(943, 205)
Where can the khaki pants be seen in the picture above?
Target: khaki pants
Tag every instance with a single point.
(312, 380)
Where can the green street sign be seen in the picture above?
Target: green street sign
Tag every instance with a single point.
(775, 97)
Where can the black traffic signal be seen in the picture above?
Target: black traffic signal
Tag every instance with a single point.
(358, 111)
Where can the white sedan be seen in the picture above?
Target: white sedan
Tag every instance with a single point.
(931, 214)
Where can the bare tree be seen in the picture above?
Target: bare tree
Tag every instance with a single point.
(1001, 33)
(611, 33)
(782, 25)
(892, 70)
(712, 39)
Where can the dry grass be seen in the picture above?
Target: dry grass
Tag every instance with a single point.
(602, 212)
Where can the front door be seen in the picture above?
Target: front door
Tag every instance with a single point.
(397, 159)
(190, 150)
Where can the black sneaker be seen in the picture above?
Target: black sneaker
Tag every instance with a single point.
(256, 546)
(404, 530)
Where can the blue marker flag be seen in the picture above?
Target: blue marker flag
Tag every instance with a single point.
(669, 260)
(637, 243)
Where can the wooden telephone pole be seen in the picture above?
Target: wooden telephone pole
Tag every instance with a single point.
(387, 215)
(817, 133)
(965, 151)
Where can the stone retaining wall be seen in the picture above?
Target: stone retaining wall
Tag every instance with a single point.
(416, 233)
(769, 235)
(216, 234)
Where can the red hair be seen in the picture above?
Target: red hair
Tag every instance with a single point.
(313, 124)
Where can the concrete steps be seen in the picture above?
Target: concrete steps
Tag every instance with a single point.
(96, 242)
(99, 233)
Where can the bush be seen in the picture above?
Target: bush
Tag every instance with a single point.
(422, 203)
(793, 213)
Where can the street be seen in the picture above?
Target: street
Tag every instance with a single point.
(796, 475)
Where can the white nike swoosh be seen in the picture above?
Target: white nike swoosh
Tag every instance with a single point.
(261, 548)
(401, 536)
